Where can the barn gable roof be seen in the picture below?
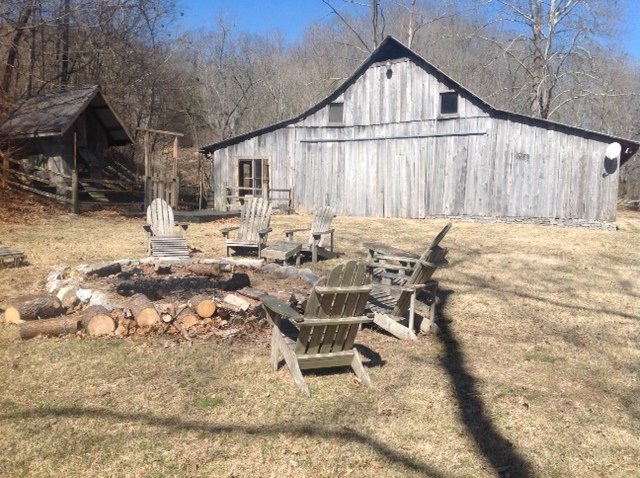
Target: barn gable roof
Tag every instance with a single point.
(53, 113)
(391, 49)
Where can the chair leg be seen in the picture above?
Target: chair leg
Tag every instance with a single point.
(292, 363)
(275, 345)
(358, 368)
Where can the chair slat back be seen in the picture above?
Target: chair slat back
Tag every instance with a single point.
(160, 218)
(322, 218)
(255, 215)
(424, 269)
(343, 294)
(440, 236)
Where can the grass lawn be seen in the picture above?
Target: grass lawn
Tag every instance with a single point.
(536, 373)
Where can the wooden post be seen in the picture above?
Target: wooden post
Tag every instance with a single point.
(147, 185)
(225, 200)
(74, 191)
(5, 173)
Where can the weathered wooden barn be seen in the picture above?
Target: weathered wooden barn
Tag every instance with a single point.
(53, 133)
(399, 138)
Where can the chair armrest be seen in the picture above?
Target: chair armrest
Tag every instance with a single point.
(147, 228)
(226, 230)
(322, 233)
(337, 321)
(264, 232)
(289, 232)
(281, 308)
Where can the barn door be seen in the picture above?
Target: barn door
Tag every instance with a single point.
(253, 177)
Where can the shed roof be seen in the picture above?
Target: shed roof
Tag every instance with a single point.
(392, 49)
(53, 113)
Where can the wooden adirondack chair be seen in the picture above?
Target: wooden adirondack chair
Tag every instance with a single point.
(165, 238)
(255, 217)
(324, 335)
(389, 309)
(392, 266)
(320, 227)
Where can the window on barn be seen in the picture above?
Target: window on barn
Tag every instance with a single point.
(448, 103)
(253, 176)
(336, 112)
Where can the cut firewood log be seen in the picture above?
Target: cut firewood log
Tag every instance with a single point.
(167, 312)
(52, 327)
(33, 308)
(188, 317)
(252, 293)
(68, 297)
(207, 270)
(143, 310)
(97, 321)
(250, 306)
(204, 306)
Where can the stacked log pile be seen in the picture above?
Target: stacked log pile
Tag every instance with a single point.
(202, 317)
(185, 302)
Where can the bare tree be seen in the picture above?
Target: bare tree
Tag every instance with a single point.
(552, 44)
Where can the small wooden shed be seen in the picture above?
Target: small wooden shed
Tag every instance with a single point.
(58, 131)
(399, 138)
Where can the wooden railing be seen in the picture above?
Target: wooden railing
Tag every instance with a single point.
(281, 199)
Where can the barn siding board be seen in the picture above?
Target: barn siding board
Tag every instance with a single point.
(393, 156)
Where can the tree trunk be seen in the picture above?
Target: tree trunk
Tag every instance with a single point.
(51, 327)
(97, 321)
(204, 306)
(12, 55)
(143, 310)
(33, 309)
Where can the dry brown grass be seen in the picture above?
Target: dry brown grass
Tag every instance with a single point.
(536, 373)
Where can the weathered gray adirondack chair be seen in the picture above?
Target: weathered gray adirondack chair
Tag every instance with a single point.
(255, 217)
(392, 266)
(165, 237)
(323, 336)
(320, 227)
(390, 309)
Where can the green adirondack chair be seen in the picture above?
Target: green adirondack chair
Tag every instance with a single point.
(324, 335)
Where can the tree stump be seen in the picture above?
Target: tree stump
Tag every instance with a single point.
(143, 310)
(50, 327)
(203, 305)
(97, 321)
(32, 309)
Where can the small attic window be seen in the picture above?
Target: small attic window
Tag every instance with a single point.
(448, 103)
(336, 112)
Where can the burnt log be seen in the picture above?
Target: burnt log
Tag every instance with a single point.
(237, 281)
(105, 270)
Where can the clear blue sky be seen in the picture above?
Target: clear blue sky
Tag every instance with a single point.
(292, 16)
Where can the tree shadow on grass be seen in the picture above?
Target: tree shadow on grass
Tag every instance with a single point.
(497, 449)
(175, 424)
